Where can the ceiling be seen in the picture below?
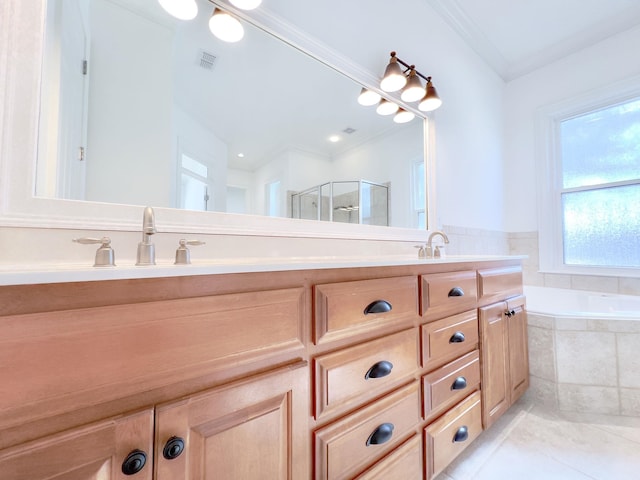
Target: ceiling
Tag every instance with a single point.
(516, 37)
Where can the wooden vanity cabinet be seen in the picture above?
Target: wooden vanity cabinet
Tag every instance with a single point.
(503, 343)
(366, 373)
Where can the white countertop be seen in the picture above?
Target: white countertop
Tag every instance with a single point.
(24, 275)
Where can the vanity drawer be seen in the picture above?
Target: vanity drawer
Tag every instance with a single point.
(450, 383)
(404, 462)
(341, 377)
(347, 308)
(495, 284)
(448, 436)
(446, 339)
(350, 444)
(67, 360)
(447, 293)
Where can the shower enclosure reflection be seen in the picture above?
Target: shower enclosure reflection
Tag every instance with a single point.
(357, 201)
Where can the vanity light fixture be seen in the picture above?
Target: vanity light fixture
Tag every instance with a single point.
(395, 79)
(181, 9)
(368, 97)
(225, 26)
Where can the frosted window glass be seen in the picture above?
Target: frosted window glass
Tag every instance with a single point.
(601, 147)
(194, 193)
(602, 227)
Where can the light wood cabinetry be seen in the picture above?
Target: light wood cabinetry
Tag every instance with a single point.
(365, 373)
(503, 340)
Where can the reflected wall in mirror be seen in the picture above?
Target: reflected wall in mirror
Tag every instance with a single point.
(139, 108)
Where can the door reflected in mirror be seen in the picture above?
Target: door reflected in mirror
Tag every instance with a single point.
(140, 108)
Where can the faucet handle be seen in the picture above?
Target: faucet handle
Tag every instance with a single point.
(422, 253)
(105, 256)
(183, 256)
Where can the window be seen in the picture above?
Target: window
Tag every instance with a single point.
(272, 199)
(595, 199)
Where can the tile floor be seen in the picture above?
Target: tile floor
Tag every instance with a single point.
(531, 443)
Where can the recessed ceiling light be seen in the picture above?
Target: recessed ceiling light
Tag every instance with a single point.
(241, 155)
(334, 138)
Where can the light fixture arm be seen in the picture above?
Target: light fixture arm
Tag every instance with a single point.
(410, 67)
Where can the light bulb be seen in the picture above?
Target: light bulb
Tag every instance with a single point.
(385, 107)
(414, 90)
(181, 9)
(368, 97)
(246, 4)
(403, 116)
(393, 79)
(225, 26)
(431, 100)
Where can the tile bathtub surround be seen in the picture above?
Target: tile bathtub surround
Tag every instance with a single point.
(531, 443)
(585, 365)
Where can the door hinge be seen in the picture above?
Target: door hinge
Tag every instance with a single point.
(85, 67)
(81, 154)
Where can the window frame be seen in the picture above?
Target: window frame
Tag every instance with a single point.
(549, 176)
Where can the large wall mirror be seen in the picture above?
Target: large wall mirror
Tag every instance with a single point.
(138, 108)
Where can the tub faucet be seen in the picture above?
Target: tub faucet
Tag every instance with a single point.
(429, 247)
(146, 249)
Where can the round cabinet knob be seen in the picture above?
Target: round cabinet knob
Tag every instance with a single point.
(134, 462)
(173, 448)
(380, 435)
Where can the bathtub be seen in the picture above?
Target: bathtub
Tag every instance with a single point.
(584, 350)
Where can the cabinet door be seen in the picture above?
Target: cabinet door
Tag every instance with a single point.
(256, 428)
(518, 349)
(95, 452)
(495, 362)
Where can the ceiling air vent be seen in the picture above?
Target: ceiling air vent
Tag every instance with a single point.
(349, 130)
(206, 60)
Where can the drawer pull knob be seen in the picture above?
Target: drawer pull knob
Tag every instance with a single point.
(459, 383)
(461, 434)
(456, 292)
(457, 337)
(510, 313)
(173, 448)
(379, 306)
(380, 435)
(379, 370)
(134, 462)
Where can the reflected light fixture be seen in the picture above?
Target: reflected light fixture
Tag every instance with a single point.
(394, 78)
(181, 9)
(246, 4)
(431, 100)
(385, 107)
(413, 90)
(368, 97)
(225, 26)
(403, 116)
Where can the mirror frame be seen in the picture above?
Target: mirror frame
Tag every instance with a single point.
(21, 43)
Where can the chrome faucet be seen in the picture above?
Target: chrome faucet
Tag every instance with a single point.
(429, 247)
(146, 249)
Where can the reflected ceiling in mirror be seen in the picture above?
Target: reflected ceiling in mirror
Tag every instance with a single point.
(165, 114)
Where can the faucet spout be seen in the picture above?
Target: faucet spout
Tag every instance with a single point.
(429, 245)
(146, 249)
